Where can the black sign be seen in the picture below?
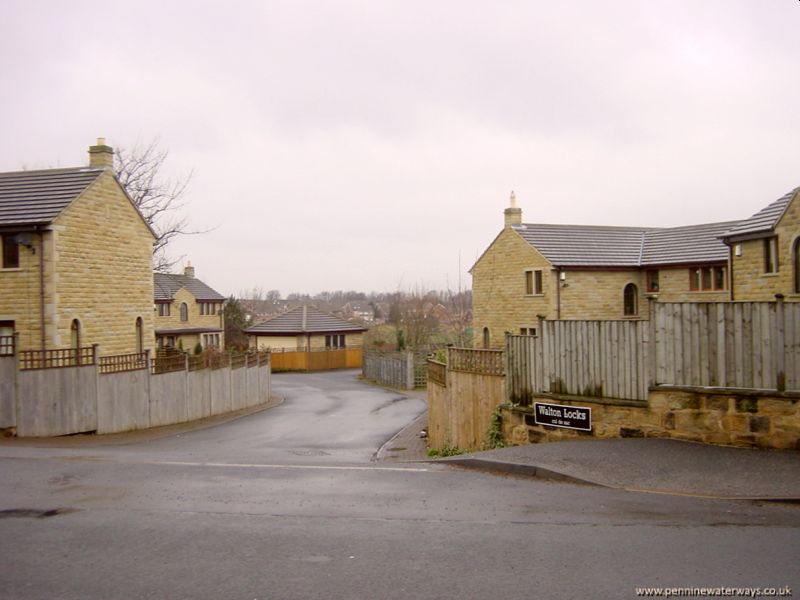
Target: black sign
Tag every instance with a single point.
(558, 415)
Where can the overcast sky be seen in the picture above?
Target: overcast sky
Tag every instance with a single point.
(369, 145)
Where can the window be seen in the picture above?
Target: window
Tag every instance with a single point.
(651, 278)
(334, 341)
(6, 338)
(630, 300)
(208, 308)
(720, 278)
(139, 335)
(75, 334)
(708, 278)
(163, 309)
(184, 312)
(527, 330)
(796, 260)
(486, 337)
(533, 282)
(10, 252)
(211, 340)
(771, 255)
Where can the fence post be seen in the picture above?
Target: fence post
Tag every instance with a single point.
(15, 386)
(650, 345)
(507, 368)
(780, 343)
(148, 389)
(409, 370)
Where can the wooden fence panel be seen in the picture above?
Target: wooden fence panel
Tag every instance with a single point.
(747, 345)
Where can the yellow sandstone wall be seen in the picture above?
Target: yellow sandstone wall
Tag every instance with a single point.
(20, 297)
(499, 301)
(100, 272)
(195, 319)
(751, 283)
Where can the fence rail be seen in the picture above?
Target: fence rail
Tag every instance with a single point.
(485, 362)
(57, 359)
(120, 363)
(437, 372)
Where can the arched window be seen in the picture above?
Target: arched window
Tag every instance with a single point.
(75, 334)
(486, 338)
(630, 300)
(139, 335)
(796, 259)
(184, 312)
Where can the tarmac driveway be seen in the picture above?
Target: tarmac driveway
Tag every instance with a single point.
(328, 417)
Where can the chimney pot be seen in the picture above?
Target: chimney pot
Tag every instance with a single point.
(101, 155)
(513, 214)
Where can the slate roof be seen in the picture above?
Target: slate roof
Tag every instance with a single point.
(585, 245)
(601, 246)
(690, 244)
(304, 319)
(38, 197)
(764, 221)
(166, 285)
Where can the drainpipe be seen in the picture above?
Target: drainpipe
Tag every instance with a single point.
(730, 270)
(41, 290)
(558, 294)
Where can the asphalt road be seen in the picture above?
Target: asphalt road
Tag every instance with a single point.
(289, 503)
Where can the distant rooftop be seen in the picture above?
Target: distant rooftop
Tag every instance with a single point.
(166, 285)
(304, 319)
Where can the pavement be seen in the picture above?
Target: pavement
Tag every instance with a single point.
(653, 465)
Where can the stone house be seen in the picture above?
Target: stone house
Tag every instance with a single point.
(77, 260)
(765, 252)
(188, 312)
(305, 328)
(533, 271)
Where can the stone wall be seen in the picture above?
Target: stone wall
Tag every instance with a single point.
(20, 301)
(499, 301)
(100, 272)
(725, 418)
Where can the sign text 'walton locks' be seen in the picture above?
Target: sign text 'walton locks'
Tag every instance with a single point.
(558, 415)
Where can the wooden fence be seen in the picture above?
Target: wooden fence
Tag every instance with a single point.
(743, 345)
(316, 360)
(462, 395)
(120, 393)
(750, 345)
(57, 359)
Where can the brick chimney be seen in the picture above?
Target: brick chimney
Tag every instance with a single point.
(101, 155)
(188, 270)
(513, 214)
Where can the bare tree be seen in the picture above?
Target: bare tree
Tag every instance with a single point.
(158, 197)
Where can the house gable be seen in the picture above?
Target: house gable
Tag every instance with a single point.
(774, 229)
(100, 267)
(499, 296)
